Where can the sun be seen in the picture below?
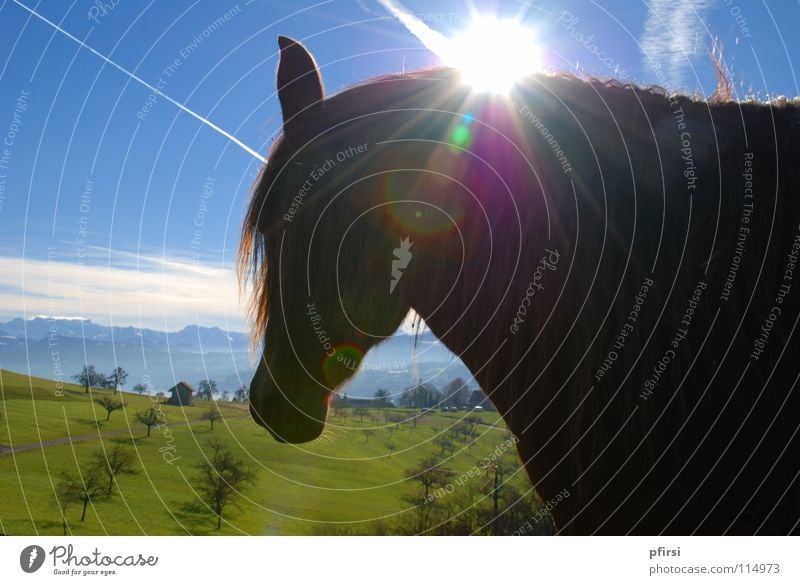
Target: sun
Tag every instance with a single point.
(492, 54)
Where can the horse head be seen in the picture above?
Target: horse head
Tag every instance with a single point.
(309, 244)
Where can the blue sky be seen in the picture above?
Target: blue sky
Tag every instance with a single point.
(126, 210)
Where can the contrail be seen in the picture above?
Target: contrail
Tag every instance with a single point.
(435, 41)
(156, 91)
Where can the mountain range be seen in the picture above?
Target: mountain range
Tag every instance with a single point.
(192, 338)
(58, 348)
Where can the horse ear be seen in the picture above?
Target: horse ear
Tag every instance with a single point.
(299, 81)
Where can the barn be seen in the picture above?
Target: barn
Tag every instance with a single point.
(181, 394)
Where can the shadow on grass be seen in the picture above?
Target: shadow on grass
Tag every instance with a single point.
(196, 518)
(124, 440)
(90, 422)
(56, 527)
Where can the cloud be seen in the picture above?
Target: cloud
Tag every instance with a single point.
(124, 288)
(674, 34)
(110, 286)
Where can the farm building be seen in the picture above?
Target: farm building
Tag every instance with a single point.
(478, 398)
(181, 394)
(339, 400)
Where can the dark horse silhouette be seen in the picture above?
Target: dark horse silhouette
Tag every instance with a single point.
(617, 266)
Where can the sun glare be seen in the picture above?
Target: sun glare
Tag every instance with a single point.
(492, 54)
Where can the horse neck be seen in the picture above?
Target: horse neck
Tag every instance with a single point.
(470, 303)
(480, 330)
(481, 308)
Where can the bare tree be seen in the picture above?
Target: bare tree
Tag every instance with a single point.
(221, 478)
(116, 461)
(89, 377)
(420, 396)
(456, 393)
(149, 417)
(367, 434)
(382, 398)
(462, 428)
(391, 447)
(444, 442)
(397, 418)
(211, 415)
(117, 378)
(509, 508)
(109, 404)
(87, 487)
(226, 396)
(360, 412)
(473, 422)
(242, 394)
(430, 476)
(206, 389)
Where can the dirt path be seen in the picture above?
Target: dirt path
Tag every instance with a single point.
(480, 423)
(76, 439)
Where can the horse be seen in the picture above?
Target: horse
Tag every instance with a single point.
(616, 265)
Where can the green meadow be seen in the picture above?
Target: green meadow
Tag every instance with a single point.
(353, 480)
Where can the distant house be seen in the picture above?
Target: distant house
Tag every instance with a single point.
(478, 398)
(339, 400)
(181, 394)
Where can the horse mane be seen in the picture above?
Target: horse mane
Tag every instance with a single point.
(251, 258)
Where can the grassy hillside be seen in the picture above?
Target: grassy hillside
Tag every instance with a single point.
(352, 480)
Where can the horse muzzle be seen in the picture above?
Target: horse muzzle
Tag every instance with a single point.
(291, 414)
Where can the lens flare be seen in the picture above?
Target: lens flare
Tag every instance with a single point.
(341, 364)
(462, 135)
